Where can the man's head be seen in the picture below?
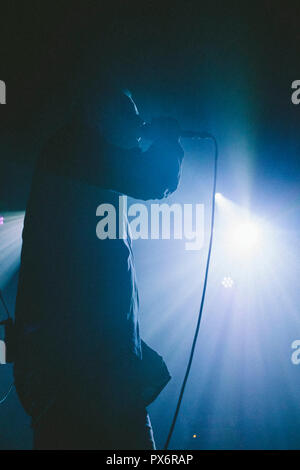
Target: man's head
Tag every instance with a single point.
(116, 115)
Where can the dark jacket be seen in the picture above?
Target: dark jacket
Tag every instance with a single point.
(77, 303)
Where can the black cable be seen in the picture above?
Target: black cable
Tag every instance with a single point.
(202, 299)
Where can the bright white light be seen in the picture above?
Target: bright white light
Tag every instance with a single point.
(218, 197)
(227, 282)
(246, 236)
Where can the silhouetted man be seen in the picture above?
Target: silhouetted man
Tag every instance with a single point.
(79, 368)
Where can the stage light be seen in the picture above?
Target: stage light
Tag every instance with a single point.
(227, 282)
(1, 220)
(218, 197)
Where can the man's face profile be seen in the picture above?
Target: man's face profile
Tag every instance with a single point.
(120, 121)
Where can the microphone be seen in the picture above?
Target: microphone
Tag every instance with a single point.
(195, 135)
(146, 132)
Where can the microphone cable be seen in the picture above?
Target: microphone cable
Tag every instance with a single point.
(216, 151)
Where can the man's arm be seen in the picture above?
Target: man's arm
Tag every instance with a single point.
(152, 174)
(81, 153)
